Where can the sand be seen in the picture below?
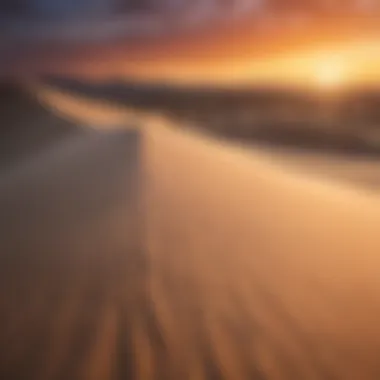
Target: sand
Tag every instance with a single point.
(205, 260)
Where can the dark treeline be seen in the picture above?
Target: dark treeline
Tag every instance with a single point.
(348, 122)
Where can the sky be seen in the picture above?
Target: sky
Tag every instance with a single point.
(315, 42)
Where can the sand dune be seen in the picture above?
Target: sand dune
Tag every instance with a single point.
(161, 254)
(287, 261)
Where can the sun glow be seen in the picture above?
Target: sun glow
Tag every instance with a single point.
(330, 74)
(333, 68)
(325, 68)
(331, 65)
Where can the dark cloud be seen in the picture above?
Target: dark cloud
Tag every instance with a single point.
(106, 20)
(102, 8)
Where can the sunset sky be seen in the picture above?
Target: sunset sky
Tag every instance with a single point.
(283, 43)
(329, 57)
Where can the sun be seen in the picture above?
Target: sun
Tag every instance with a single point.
(329, 74)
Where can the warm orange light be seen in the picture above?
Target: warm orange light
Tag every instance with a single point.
(336, 67)
(330, 74)
(333, 67)
(353, 61)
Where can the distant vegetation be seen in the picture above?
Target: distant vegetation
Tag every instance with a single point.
(345, 121)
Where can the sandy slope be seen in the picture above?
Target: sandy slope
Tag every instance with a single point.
(245, 244)
(348, 170)
(226, 266)
(357, 171)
